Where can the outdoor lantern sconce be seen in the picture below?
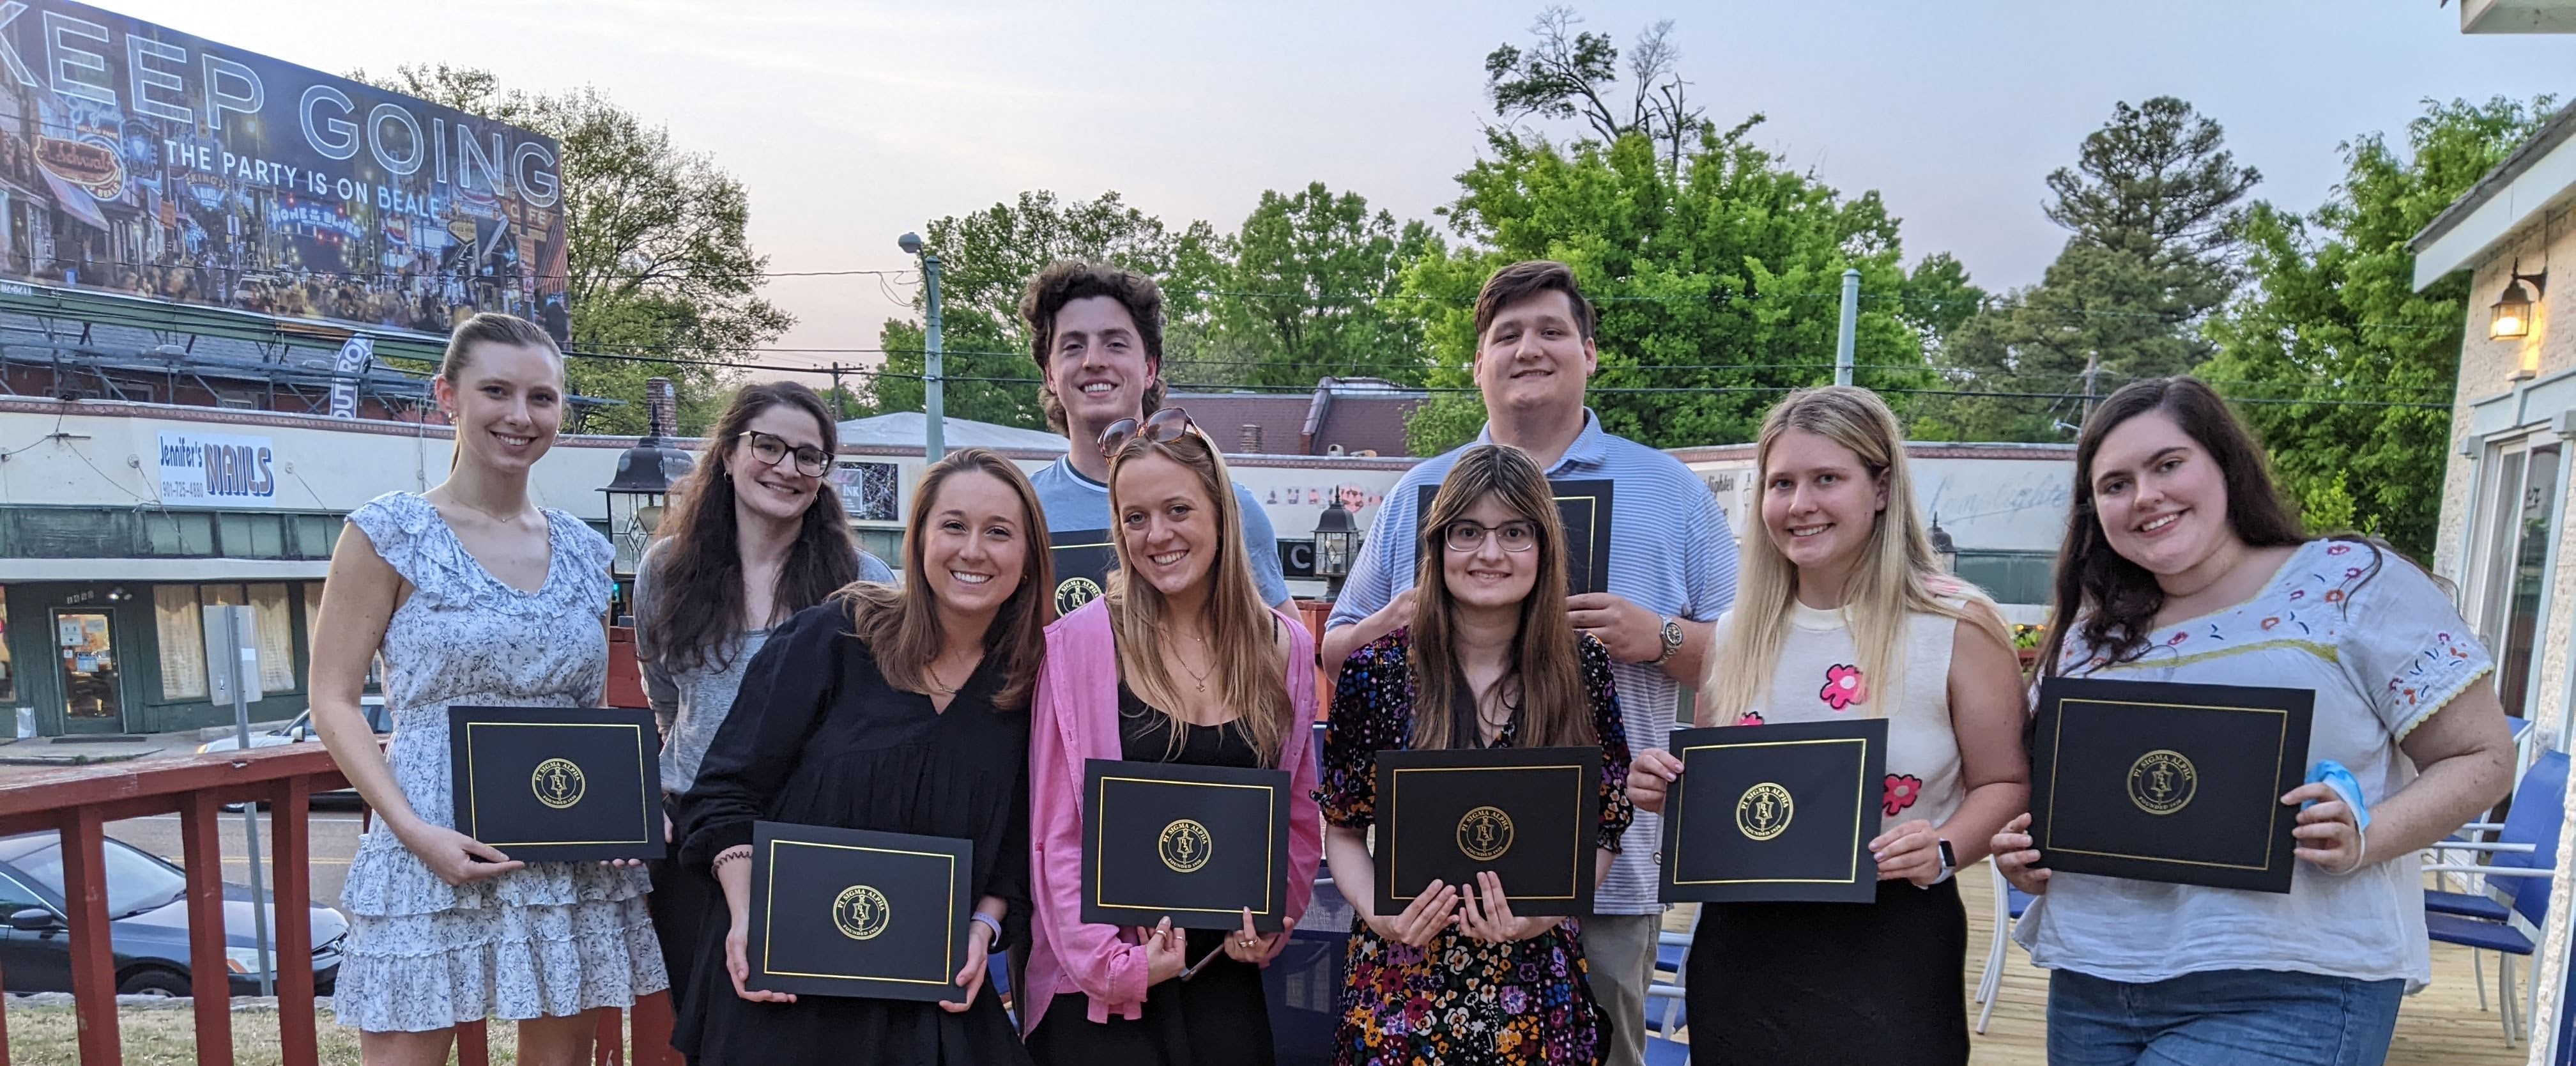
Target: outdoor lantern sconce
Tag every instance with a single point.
(1337, 542)
(2512, 319)
(1944, 547)
(638, 495)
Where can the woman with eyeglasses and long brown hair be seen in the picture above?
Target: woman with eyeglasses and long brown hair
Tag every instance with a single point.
(1489, 660)
(895, 710)
(1198, 671)
(756, 534)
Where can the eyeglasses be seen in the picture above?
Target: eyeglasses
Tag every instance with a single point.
(1161, 427)
(1515, 537)
(810, 461)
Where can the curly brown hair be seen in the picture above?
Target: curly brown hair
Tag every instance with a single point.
(1064, 282)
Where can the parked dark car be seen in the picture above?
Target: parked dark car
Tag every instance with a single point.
(148, 907)
(300, 731)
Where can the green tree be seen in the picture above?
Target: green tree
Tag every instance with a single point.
(661, 267)
(1718, 280)
(2158, 184)
(2153, 206)
(987, 258)
(1313, 278)
(2333, 317)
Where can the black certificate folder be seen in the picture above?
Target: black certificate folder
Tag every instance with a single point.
(1196, 844)
(1775, 813)
(1531, 815)
(843, 912)
(558, 784)
(2169, 782)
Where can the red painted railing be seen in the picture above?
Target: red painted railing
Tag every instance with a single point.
(78, 802)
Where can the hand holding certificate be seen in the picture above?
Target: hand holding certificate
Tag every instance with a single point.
(557, 783)
(2161, 781)
(1775, 813)
(1526, 816)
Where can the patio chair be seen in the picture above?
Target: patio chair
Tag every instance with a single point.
(2472, 898)
(2522, 862)
(1665, 1015)
(2010, 904)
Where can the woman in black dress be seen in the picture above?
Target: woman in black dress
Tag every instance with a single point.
(899, 711)
(1179, 663)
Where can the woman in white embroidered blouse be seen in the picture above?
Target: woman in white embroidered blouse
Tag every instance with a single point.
(1842, 613)
(2181, 564)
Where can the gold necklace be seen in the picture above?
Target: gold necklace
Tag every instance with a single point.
(1200, 678)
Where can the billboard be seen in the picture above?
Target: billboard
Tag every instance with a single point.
(136, 159)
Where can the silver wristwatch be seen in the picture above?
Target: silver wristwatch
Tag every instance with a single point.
(1672, 641)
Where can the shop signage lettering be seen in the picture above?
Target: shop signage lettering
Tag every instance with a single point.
(211, 470)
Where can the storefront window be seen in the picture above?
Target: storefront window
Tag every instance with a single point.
(181, 533)
(253, 536)
(183, 642)
(276, 638)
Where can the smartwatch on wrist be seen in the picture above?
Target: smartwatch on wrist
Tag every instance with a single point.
(1949, 862)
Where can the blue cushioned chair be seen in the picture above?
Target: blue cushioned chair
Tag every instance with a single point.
(2516, 875)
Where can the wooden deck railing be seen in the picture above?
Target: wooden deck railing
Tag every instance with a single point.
(78, 802)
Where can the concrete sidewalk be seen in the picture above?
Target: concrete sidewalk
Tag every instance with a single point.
(80, 751)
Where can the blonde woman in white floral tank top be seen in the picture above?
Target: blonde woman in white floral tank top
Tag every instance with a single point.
(1843, 613)
(475, 596)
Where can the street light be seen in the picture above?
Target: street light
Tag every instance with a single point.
(1944, 547)
(1337, 542)
(934, 405)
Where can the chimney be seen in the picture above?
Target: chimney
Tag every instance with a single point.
(661, 409)
(1251, 439)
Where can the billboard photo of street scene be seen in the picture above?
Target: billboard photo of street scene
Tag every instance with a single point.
(139, 160)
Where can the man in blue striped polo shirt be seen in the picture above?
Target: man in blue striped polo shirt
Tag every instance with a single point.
(1672, 570)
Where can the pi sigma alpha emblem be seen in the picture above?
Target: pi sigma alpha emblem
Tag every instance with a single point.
(558, 783)
(1485, 833)
(1763, 812)
(2162, 782)
(861, 912)
(1184, 846)
(1073, 592)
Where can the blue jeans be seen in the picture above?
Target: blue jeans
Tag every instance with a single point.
(2221, 1018)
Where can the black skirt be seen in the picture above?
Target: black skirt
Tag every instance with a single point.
(1786, 983)
(1217, 1018)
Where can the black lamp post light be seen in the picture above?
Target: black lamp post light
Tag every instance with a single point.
(641, 491)
(1337, 542)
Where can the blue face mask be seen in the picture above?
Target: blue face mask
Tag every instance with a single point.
(2334, 776)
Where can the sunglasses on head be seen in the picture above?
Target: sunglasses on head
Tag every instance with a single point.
(1161, 427)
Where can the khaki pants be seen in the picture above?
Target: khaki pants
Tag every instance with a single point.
(1619, 951)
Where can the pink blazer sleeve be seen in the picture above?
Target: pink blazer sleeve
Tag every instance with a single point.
(1306, 831)
(1106, 968)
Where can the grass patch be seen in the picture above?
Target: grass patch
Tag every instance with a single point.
(49, 1036)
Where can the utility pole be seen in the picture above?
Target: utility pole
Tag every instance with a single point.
(2092, 367)
(840, 410)
(1851, 325)
(933, 384)
(934, 404)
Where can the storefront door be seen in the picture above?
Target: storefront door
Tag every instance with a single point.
(93, 695)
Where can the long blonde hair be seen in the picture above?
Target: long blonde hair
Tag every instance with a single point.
(1249, 666)
(1554, 710)
(1897, 576)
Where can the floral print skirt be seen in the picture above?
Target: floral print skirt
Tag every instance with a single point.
(1459, 1000)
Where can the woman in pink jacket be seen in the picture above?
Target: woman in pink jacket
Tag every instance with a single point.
(1180, 662)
